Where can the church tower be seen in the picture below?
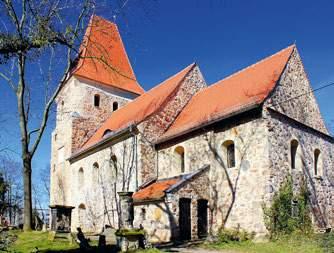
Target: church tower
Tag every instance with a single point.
(101, 82)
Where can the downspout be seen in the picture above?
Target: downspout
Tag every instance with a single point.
(157, 161)
(135, 153)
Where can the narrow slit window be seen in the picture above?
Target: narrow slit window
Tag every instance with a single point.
(294, 147)
(316, 162)
(230, 153)
(114, 106)
(97, 100)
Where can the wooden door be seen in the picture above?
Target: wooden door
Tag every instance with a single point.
(185, 218)
(202, 218)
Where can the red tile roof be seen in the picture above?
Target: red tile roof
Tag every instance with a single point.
(104, 59)
(240, 90)
(158, 189)
(139, 109)
(155, 191)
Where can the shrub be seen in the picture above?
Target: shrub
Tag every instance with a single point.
(230, 235)
(288, 213)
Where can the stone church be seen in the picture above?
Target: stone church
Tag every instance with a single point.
(196, 156)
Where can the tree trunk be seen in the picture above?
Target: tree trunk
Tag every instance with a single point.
(27, 213)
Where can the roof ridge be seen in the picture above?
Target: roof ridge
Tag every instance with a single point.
(126, 54)
(191, 66)
(252, 65)
(84, 45)
(160, 83)
(100, 17)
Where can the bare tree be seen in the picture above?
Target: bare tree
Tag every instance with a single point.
(33, 33)
(32, 29)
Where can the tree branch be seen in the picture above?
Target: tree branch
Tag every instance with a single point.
(9, 81)
(62, 83)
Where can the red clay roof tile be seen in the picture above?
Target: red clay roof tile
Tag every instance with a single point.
(155, 191)
(248, 86)
(104, 59)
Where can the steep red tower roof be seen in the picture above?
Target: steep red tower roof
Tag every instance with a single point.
(104, 59)
(244, 88)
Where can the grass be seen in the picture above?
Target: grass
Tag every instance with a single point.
(292, 244)
(27, 242)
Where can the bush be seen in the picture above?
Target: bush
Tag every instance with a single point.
(234, 235)
(288, 213)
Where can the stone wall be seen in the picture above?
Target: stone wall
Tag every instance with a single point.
(160, 219)
(293, 95)
(97, 192)
(77, 118)
(157, 219)
(281, 132)
(158, 123)
(236, 194)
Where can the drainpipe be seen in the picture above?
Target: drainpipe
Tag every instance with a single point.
(134, 135)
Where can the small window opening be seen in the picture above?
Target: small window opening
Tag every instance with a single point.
(81, 178)
(316, 162)
(114, 106)
(294, 208)
(179, 151)
(97, 100)
(143, 214)
(82, 206)
(96, 172)
(107, 132)
(230, 154)
(294, 147)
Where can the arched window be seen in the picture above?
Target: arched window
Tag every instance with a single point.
(82, 215)
(317, 169)
(179, 155)
(95, 172)
(294, 147)
(97, 100)
(229, 149)
(143, 214)
(114, 106)
(81, 179)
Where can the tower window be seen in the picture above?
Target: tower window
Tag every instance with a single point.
(81, 177)
(114, 106)
(97, 100)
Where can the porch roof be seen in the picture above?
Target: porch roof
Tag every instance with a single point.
(156, 190)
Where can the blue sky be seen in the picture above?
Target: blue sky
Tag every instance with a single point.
(221, 36)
